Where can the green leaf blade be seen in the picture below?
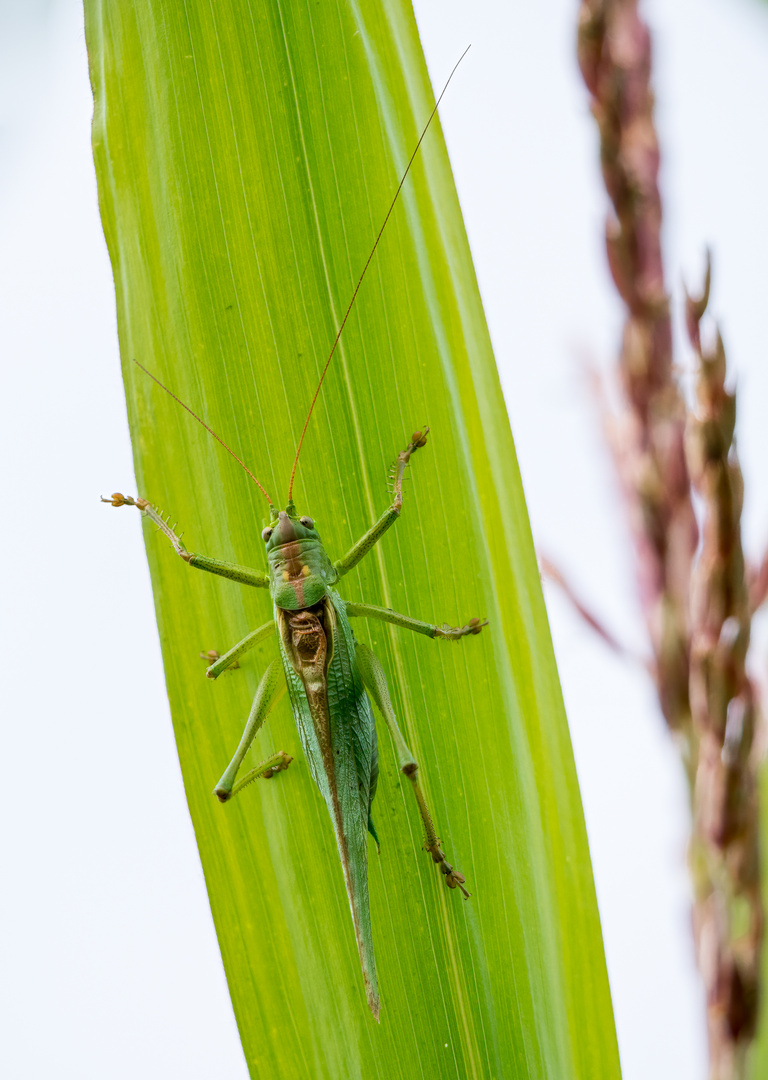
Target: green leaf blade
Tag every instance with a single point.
(246, 155)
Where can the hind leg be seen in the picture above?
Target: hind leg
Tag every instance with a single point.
(375, 682)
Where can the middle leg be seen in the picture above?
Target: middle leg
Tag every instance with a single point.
(230, 658)
(447, 633)
(271, 688)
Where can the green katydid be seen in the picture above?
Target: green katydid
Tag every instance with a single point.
(328, 674)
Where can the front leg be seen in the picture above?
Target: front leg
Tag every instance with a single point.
(244, 574)
(390, 515)
(375, 682)
(447, 633)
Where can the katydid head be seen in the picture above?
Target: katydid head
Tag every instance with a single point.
(286, 527)
(299, 567)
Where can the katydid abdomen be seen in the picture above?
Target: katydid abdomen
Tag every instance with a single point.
(335, 723)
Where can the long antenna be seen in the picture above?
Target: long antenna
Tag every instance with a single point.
(360, 279)
(208, 429)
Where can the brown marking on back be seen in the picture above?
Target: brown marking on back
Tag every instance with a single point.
(294, 565)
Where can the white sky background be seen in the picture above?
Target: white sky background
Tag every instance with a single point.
(109, 958)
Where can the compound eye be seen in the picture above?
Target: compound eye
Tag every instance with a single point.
(307, 522)
(266, 533)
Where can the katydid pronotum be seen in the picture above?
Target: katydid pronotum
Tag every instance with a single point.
(330, 677)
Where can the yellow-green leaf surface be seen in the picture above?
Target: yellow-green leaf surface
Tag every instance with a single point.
(246, 154)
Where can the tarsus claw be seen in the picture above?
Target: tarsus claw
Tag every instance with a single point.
(456, 633)
(453, 878)
(125, 500)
